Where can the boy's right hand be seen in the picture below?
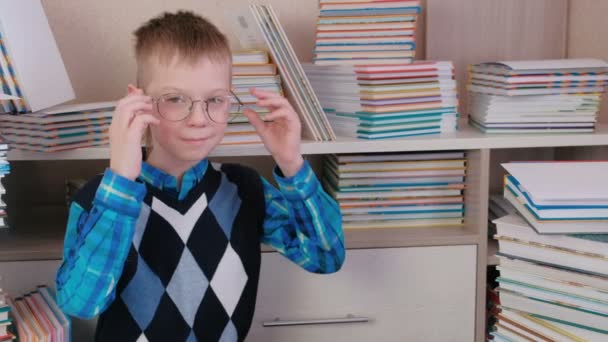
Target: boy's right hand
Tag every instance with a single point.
(131, 117)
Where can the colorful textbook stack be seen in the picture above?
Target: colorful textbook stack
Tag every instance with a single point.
(258, 27)
(5, 319)
(251, 69)
(397, 190)
(387, 101)
(37, 318)
(59, 128)
(5, 169)
(553, 253)
(536, 96)
(34, 89)
(366, 32)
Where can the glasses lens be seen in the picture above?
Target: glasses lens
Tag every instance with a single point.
(221, 108)
(174, 107)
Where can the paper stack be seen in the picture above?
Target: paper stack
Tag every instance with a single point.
(366, 32)
(251, 69)
(397, 190)
(387, 101)
(59, 128)
(540, 96)
(32, 72)
(38, 318)
(5, 169)
(553, 253)
(5, 319)
(259, 28)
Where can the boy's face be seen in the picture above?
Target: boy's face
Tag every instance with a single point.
(193, 138)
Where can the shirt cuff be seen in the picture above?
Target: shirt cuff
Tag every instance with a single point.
(300, 186)
(120, 194)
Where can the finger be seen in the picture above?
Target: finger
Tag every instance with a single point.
(263, 94)
(131, 89)
(277, 114)
(276, 102)
(128, 112)
(140, 123)
(255, 120)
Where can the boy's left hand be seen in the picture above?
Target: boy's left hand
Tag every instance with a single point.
(281, 134)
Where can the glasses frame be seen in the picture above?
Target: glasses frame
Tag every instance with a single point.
(193, 103)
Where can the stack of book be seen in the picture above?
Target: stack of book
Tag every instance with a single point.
(258, 28)
(29, 84)
(387, 101)
(397, 190)
(59, 128)
(38, 318)
(366, 32)
(536, 96)
(251, 69)
(5, 319)
(5, 169)
(553, 253)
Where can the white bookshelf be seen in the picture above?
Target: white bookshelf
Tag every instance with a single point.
(41, 237)
(467, 138)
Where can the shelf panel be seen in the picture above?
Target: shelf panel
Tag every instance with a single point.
(492, 250)
(467, 138)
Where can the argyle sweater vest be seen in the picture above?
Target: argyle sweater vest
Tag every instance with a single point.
(193, 266)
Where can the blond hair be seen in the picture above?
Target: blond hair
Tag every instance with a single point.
(184, 35)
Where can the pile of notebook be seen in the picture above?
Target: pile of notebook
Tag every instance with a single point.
(387, 101)
(32, 93)
(251, 69)
(540, 96)
(5, 169)
(397, 190)
(5, 319)
(258, 27)
(59, 128)
(36, 317)
(366, 32)
(33, 85)
(553, 253)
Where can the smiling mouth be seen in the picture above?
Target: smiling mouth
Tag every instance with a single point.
(194, 140)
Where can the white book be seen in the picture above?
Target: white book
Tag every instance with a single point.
(555, 273)
(556, 285)
(551, 256)
(578, 181)
(551, 311)
(43, 82)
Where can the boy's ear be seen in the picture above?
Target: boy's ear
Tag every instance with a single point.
(132, 89)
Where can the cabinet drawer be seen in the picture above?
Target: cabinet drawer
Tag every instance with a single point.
(393, 294)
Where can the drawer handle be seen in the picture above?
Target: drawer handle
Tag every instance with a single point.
(348, 319)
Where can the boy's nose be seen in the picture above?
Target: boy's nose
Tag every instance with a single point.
(198, 117)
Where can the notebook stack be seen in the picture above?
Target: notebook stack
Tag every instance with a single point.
(5, 169)
(251, 69)
(541, 96)
(5, 319)
(36, 317)
(366, 32)
(29, 84)
(553, 253)
(259, 28)
(387, 101)
(59, 128)
(397, 190)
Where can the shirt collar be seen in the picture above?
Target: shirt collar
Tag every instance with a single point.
(166, 182)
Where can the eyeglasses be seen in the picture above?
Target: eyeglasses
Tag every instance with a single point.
(177, 107)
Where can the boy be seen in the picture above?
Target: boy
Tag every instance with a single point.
(169, 249)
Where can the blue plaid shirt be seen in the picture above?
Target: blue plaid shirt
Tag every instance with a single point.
(301, 222)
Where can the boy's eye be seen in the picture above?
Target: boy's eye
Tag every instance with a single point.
(216, 100)
(174, 99)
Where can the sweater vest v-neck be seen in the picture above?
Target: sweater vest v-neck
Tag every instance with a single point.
(193, 266)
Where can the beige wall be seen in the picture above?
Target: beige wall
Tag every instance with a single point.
(95, 37)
